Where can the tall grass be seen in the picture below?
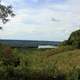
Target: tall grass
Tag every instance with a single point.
(62, 63)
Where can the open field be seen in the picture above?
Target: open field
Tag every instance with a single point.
(62, 63)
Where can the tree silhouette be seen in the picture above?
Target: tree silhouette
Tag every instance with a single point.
(5, 12)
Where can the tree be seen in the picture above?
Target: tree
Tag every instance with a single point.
(5, 12)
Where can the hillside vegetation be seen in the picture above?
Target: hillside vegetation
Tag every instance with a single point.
(74, 39)
(62, 63)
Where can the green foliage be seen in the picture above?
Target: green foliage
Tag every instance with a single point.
(74, 39)
(62, 63)
(9, 58)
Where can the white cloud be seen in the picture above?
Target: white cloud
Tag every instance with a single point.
(32, 23)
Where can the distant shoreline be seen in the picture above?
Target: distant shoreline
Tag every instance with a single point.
(28, 43)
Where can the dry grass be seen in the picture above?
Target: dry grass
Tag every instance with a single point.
(62, 59)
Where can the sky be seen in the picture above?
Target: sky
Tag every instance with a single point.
(52, 20)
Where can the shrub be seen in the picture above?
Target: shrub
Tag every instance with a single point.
(9, 58)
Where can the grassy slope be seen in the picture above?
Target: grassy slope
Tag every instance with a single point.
(47, 60)
(41, 64)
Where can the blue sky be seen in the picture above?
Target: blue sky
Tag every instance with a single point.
(42, 19)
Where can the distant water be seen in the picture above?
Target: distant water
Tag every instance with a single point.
(46, 46)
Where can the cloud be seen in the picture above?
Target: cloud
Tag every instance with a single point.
(43, 20)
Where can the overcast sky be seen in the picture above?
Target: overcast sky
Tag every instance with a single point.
(42, 19)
